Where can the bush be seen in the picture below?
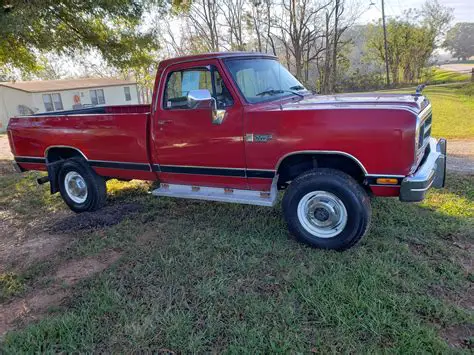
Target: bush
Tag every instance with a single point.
(357, 81)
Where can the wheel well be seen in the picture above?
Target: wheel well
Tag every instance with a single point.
(296, 164)
(62, 153)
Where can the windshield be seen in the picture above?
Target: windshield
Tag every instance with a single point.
(263, 79)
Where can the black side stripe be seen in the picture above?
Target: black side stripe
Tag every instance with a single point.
(202, 171)
(261, 174)
(119, 165)
(30, 160)
(267, 174)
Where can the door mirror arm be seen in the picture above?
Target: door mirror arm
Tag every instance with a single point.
(218, 116)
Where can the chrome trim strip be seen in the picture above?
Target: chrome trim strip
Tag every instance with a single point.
(205, 167)
(82, 114)
(120, 165)
(375, 185)
(269, 170)
(347, 105)
(385, 175)
(63, 146)
(32, 160)
(114, 161)
(26, 157)
(425, 188)
(322, 152)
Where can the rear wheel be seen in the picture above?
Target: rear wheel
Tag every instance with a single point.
(327, 209)
(81, 188)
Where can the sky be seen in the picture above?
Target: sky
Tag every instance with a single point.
(463, 9)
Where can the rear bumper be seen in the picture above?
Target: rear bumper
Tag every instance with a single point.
(432, 173)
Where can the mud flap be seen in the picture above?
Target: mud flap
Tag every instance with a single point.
(53, 170)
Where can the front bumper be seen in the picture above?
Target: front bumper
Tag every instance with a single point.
(431, 173)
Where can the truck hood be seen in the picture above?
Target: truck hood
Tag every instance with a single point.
(369, 100)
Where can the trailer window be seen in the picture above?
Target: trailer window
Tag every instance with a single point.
(97, 97)
(48, 103)
(126, 90)
(52, 102)
(57, 102)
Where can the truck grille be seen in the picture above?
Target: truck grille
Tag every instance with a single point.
(425, 131)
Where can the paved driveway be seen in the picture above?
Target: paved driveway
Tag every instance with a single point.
(462, 68)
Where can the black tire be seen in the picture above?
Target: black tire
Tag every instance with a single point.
(347, 190)
(96, 188)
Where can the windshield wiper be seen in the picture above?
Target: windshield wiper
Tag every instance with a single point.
(297, 87)
(274, 92)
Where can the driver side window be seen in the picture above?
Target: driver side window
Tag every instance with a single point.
(179, 83)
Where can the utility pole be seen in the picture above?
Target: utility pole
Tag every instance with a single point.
(385, 42)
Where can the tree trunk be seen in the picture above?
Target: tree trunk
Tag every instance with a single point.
(332, 85)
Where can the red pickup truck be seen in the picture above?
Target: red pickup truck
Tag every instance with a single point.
(238, 127)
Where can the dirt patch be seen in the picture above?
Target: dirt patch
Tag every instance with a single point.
(6, 167)
(105, 217)
(460, 156)
(5, 153)
(23, 253)
(76, 270)
(30, 308)
(459, 336)
(463, 298)
(35, 305)
(23, 244)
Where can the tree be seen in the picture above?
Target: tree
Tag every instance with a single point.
(411, 40)
(233, 14)
(437, 18)
(29, 28)
(299, 30)
(460, 40)
(202, 15)
(259, 22)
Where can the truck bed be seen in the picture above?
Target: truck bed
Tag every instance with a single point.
(113, 139)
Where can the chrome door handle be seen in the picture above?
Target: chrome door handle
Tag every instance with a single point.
(163, 122)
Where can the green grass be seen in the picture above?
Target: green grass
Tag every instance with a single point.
(441, 76)
(200, 277)
(453, 110)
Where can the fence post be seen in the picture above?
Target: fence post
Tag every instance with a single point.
(472, 75)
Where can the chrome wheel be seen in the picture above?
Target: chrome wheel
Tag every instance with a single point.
(322, 214)
(75, 187)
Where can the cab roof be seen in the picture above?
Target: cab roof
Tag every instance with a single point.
(215, 55)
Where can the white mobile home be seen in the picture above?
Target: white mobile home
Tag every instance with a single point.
(28, 97)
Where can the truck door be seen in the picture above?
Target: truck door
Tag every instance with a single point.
(189, 147)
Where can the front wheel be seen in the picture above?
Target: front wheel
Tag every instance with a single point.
(81, 188)
(327, 209)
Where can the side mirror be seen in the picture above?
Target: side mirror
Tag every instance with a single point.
(202, 99)
(199, 99)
